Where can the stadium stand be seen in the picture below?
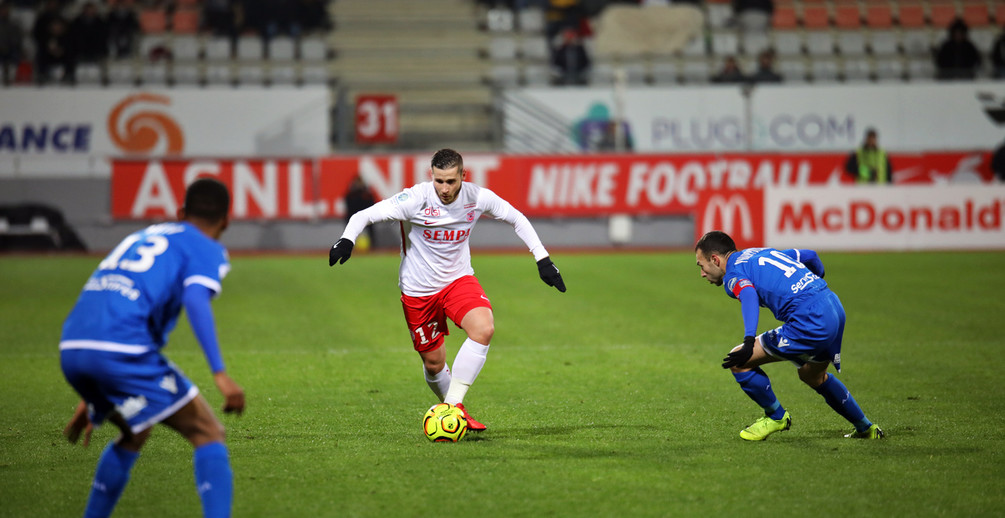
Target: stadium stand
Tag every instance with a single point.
(785, 17)
(815, 40)
(185, 21)
(412, 49)
(879, 15)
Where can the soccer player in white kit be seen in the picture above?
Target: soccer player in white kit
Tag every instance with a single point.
(435, 276)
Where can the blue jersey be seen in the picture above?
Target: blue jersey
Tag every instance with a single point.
(132, 301)
(782, 282)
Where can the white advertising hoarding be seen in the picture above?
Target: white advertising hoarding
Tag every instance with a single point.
(179, 122)
(909, 117)
(885, 218)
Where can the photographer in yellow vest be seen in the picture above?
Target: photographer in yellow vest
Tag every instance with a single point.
(870, 163)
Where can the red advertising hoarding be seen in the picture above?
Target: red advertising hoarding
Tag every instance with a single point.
(539, 186)
(266, 189)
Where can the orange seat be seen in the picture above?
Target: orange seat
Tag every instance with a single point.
(153, 21)
(879, 16)
(977, 14)
(185, 21)
(847, 16)
(911, 15)
(942, 14)
(785, 17)
(816, 17)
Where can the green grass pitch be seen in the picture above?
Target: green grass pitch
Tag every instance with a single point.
(607, 400)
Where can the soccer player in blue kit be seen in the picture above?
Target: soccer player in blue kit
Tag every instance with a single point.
(110, 350)
(790, 284)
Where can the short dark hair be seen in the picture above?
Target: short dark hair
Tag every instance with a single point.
(715, 242)
(207, 199)
(447, 158)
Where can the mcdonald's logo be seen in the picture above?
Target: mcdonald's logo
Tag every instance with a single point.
(739, 213)
(722, 213)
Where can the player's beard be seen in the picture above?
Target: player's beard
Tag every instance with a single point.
(449, 198)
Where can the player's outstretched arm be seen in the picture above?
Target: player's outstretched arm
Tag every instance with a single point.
(340, 252)
(196, 300)
(233, 394)
(550, 275)
(79, 425)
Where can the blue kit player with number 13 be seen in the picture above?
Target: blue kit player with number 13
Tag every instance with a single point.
(110, 349)
(790, 284)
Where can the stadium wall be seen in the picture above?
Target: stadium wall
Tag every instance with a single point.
(574, 201)
(89, 152)
(86, 204)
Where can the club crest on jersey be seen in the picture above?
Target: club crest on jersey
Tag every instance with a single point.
(471, 216)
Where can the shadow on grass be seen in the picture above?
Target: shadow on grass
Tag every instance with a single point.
(898, 442)
(599, 430)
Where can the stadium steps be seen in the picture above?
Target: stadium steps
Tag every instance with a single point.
(428, 54)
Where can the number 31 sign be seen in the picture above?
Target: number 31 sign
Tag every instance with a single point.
(376, 119)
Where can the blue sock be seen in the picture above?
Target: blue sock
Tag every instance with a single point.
(213, 479)
(838, 397)
(110, 478)
(756, 384)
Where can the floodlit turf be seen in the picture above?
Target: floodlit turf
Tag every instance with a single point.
(607, 400)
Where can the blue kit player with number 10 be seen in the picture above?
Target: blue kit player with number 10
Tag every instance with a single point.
(110, 349)
(790, 284)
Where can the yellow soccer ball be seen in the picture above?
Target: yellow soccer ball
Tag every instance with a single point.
(444, 422)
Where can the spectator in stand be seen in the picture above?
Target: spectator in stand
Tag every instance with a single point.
(870, 163)
(219, 17)
(49, 11)
(570, 60)
(269, 18)
(957, 57)
(765, 72)
(753, 15)
(89, 35)
(313, 16)
(52, 44)
(123, 28)
(998, 56)
(730, 72)
(11, 44)
(560, 15)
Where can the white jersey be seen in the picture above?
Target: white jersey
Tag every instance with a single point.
(434, 248)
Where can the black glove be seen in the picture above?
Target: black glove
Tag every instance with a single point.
(340, 253)
(549, 274)
(739, 357)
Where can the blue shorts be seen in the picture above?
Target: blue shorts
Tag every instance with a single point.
(144, 388)
(811, 335)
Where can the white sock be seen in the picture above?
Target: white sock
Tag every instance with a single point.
(468, 363)
(439, 382)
